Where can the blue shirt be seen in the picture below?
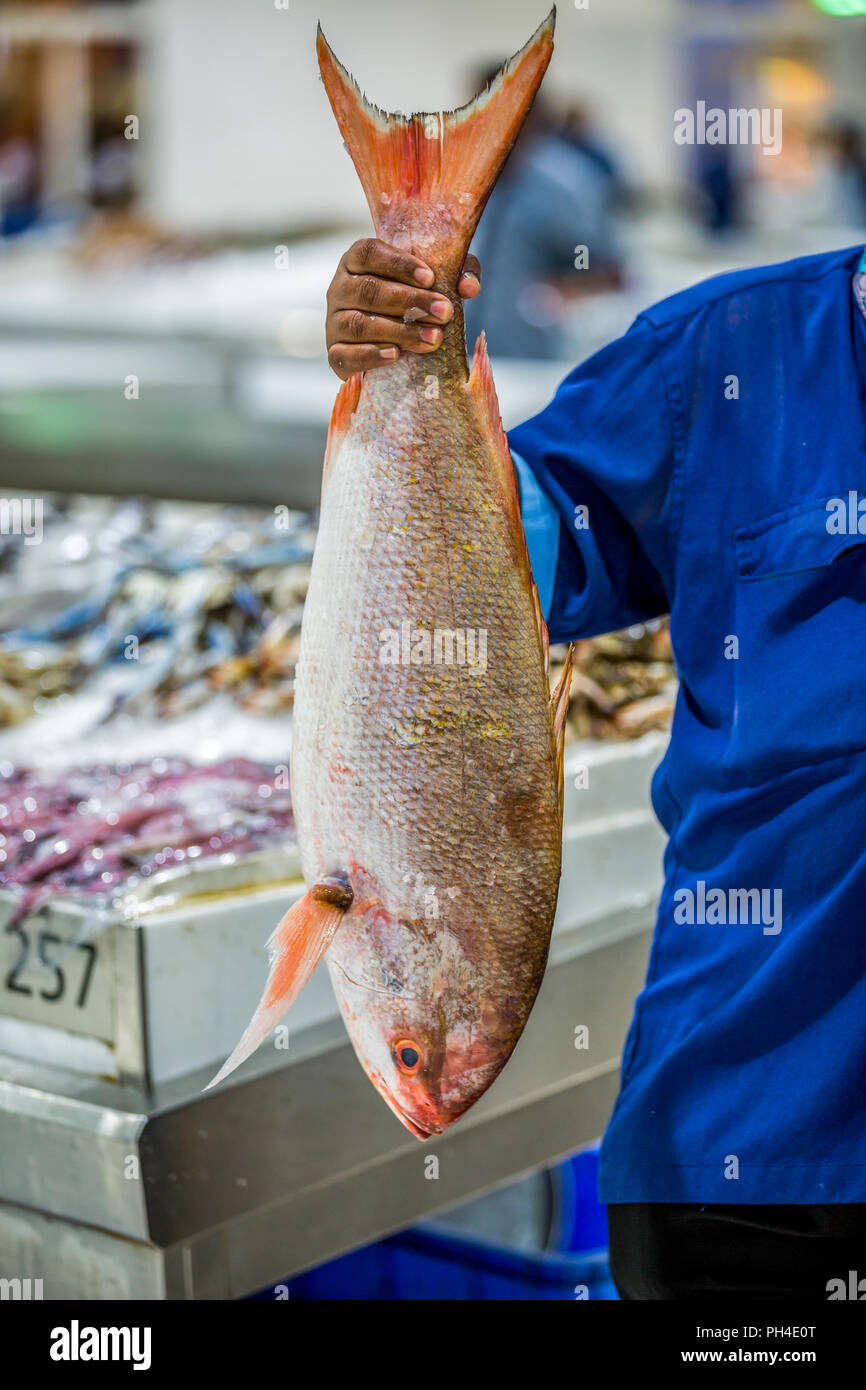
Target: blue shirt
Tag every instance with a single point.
(719, 449)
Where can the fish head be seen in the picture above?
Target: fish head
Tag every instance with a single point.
(428, 1033)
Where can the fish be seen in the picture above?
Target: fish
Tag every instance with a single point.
(427, 749)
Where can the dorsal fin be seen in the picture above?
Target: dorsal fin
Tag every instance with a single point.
(483, 391)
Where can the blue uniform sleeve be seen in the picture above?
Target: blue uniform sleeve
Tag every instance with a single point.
(597, 474)
(541, 528)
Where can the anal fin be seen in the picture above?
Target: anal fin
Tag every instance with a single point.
(558, 710)
(542, 630)
(341, 418)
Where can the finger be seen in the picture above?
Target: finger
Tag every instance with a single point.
(353, 326)
(375, 295)
(347, 358)
(370, 256)
(469, 284)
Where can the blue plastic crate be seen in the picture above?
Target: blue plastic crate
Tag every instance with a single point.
(427, 1264)
(431, 1263)
(579, 1222)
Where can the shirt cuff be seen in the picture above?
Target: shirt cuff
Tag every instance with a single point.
(541, 528)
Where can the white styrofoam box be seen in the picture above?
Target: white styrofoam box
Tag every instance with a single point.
(609, 778)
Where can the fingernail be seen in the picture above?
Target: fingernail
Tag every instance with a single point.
(431, 335)
(424, 275)
(467, 275)
(441, 309)
(389, 353)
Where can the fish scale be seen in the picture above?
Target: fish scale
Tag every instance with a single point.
(478, 735)
(426, 774)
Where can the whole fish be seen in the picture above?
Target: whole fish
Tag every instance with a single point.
(427, 750)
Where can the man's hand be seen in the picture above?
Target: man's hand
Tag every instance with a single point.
(380, 305)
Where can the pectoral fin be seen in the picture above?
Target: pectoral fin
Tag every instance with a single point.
(295, 949)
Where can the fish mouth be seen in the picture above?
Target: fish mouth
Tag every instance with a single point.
(422, 1132)
(413, 1126)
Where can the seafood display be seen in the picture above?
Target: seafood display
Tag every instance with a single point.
(93, 834)
(624, 683)
(30, 676)
(168, 603)
(427, 785)
(164, 602)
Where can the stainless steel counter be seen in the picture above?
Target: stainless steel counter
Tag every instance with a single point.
(143, 1187)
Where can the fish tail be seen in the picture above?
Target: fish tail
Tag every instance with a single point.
(427, 176)
(295, 949)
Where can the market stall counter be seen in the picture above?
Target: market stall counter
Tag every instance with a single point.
(120, 1178)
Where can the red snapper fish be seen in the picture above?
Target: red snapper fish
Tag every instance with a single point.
(426, 750)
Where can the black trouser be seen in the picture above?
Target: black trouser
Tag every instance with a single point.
(674, 1250)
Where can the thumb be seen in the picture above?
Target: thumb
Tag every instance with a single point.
(469, 284)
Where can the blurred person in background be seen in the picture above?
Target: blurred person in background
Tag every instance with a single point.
(19, 184)
(112, 166)
(844, 181)
(552, 198)
(577, 129)
(717, 451)
(720, 206)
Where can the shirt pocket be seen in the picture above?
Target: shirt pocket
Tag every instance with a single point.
(800, 671)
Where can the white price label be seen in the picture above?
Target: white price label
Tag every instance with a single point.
(48, 977)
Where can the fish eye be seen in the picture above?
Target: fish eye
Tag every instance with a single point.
(408, 1056)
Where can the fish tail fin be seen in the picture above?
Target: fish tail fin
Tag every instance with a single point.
(445, 160)
(558, 711)
(295, 948)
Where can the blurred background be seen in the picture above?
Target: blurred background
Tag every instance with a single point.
(174, 198)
